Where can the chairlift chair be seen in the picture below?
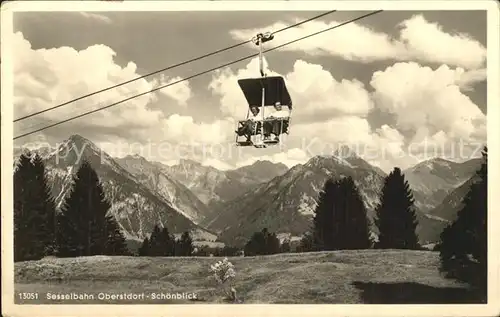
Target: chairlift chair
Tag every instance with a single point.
(261, 92)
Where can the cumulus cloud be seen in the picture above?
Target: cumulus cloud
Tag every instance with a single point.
(429, 42)
(427, 101)
(177, 127)
(47, 77)
(44, 78)
(178, 137)
(418, 40)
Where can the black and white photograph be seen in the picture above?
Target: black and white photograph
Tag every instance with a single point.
(221, 153)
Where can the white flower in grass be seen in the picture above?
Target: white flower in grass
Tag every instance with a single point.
(223, 271)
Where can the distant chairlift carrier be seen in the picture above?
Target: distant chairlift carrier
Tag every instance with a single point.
(261, 93)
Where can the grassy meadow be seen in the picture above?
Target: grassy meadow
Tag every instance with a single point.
(336, 277)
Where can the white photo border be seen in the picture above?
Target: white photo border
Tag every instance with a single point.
(8, 9)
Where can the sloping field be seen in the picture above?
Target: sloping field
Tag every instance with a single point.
(347, 277)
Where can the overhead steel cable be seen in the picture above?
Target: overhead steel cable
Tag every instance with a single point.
(169, 68)
(199, 74)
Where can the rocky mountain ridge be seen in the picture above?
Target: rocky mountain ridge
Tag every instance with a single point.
(235, 203)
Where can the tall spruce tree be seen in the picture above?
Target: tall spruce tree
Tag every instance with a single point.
(351, 225)
(395, 215)
(463, 245)
(34, 210)
(85, 228)
(322, 231)
(340, 220)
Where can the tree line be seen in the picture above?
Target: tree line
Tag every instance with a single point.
(83, 227)
(162, 243)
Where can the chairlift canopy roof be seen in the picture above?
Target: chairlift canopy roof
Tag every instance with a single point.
(275, 91)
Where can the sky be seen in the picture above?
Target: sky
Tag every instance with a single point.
(397, 87)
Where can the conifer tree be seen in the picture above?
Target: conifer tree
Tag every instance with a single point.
(34, 210)
(306, 243)
(27, 242)
(340, 220)
(116, 243)
(285, 246)
(395, 215)
(184, 247)
(322, 231)
(155, 243)
(463, 245)
(84, 226)
(272, 244)
(144, 249)
(255, 244)
(47, 207)
(262, 243)
(167, 242)
(351, 225)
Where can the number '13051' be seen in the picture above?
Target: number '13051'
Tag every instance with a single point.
(28, 295)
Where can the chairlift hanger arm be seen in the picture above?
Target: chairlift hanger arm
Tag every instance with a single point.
(259, 40)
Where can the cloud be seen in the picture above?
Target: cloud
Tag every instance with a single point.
(418, 40)
(328, 113)
(218, 164)
(185, 129)
(177, 137)
(177, 89)
(469, 78)
(315, 92)
(44, 78)
(432, 113)
(96, 17)
(289, 157)
(428, 42)
(429, 101)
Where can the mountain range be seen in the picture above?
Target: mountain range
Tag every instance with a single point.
(214, 187)
(230, 205)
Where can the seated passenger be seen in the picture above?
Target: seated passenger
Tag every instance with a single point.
(249, 125)
(279, 112)
(275, 126)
